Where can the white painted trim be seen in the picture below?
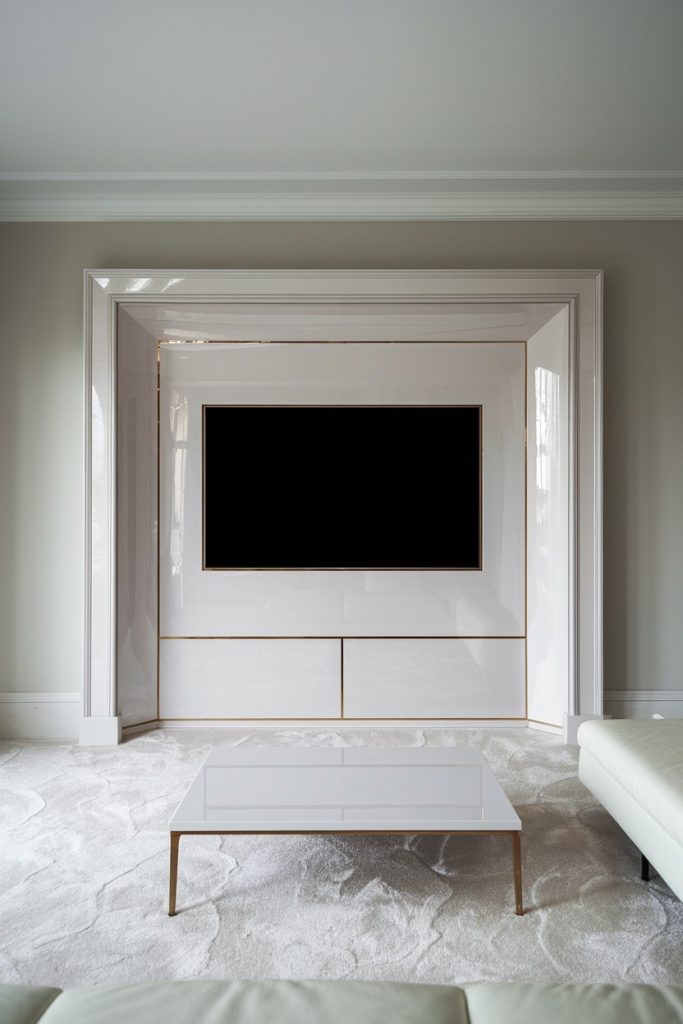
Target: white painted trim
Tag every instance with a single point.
(343, 723)
(327, 196)
(554, 730)
(642, 695)
(39, 716)
(598, 503)
(87, 489)
(9, 697)
(644, 703)
(106, 288)
(642, 177)
(99, 731)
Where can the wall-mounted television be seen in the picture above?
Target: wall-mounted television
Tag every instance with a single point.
(332, 487)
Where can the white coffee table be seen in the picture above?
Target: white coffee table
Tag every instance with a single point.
(373, 790)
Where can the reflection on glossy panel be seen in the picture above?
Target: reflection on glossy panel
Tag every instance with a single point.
(344, 603)
(249, 678)
(548, 522)
(136, 523)
(285, 788)
(434, 678)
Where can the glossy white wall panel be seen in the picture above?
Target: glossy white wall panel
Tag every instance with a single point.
(490, 602)
(100, 696)
(136, 497)
(353, 321)
(249, 678)
(434, 678)
(548, 553)
(157, 297)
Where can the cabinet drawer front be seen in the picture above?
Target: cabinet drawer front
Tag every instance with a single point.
(249, 678)
(440, 678)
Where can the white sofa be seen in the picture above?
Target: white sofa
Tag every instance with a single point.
(341, 1002)
(635, 769)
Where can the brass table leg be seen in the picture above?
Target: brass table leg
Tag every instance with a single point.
(517, 870)
(173, 876)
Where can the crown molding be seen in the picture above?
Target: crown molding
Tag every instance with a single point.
(343, 176)
(326, 197)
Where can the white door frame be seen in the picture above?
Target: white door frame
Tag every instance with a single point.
(581, 290)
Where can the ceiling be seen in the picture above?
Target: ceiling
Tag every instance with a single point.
(221, 99)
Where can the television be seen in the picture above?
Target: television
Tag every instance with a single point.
(339, 487)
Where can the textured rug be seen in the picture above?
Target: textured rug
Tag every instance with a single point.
(84, 874)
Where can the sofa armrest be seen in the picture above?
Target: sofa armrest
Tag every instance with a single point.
(25, 1004)
(567, 1004)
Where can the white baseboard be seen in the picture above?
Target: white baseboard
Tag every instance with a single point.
(343, 723)
(56, 716)
(99, 731)
(39, 716)
(644, 703)
(555, 730)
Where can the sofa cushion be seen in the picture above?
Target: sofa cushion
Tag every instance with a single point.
(24, 1004)
(262, 1002)
(646, 759)
(569, 1004)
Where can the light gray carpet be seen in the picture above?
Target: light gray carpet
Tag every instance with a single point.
(84, 874)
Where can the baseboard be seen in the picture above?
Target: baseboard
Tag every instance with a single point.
(343, 723)
(99, 731)
(39, 716)
(644, 703)
(55, 716)
(555, 730)
(135, 730)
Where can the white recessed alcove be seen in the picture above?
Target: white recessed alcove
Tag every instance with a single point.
(518, 641)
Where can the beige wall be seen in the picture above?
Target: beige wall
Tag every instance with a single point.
(41, 412)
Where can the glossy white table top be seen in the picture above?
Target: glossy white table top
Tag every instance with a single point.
(345, 789)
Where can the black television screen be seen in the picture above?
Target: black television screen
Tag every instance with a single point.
(342, 487)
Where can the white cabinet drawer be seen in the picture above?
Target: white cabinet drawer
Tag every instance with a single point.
(228, 678)
(434, 678)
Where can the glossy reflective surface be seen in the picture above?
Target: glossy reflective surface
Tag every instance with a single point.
(250, 679)
(489, 602)
(548, 552)
(183, 304)
(276, 789)
(434, 678)
(136, 518)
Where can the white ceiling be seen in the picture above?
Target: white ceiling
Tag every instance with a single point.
(395, 91)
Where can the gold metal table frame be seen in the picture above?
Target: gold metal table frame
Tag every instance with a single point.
(515, 835)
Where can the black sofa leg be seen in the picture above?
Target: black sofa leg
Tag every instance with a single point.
(644, 868)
